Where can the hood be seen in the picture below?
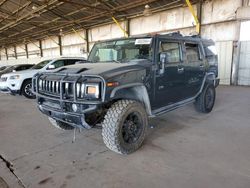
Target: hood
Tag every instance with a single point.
(106, 70)
(24, 72)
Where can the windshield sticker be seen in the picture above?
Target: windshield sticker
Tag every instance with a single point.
(143, 41)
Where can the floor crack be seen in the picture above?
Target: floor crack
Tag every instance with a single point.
(10, 166)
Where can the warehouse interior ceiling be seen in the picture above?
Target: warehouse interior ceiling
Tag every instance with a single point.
(22, 21)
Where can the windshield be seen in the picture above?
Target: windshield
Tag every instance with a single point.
(9, 69)
(120, 51)
(3, 68)
(41, 64)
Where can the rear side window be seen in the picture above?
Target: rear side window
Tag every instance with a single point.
(172, 49)
(59, 63)
(20, 68)
(192, 52)
(71, 61)
(24, 67)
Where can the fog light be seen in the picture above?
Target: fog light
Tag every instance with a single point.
(74, 107)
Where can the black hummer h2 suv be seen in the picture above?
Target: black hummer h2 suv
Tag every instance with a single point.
(125, 82)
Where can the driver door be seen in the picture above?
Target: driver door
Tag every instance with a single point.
(170, 82)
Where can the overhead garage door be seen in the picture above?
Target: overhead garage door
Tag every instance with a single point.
(225, 54)
(244, 64)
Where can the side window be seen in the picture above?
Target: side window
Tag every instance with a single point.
(59, 63)
(193, 53)
(172, 49)
(19, 68)
(71, 61)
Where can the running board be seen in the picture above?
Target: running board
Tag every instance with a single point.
(172, 107)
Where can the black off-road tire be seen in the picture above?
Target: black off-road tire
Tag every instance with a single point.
(117, 119)
(205, 103)
(60, 125)
(24, 91)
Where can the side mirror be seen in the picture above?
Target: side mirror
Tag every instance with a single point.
(163, 57)
(51, 67)
(163, 60)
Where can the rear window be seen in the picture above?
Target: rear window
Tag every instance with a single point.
(192, 51)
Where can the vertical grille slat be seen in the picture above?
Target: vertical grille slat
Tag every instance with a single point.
(78, 89)
(82, 90)
(43, 84)
(47, 88)
(53, 86)
(66, 88)
(57, 87)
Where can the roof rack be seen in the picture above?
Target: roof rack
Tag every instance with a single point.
(177, 33)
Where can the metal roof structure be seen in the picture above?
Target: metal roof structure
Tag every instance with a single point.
(26, 20)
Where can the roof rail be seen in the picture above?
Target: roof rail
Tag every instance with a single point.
(177, 33)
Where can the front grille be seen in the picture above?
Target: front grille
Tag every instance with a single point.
(49, 87)
(65, 87)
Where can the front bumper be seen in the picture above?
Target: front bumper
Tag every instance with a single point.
(9, 91)
(75, 120)
(64, 112)
(10, 88)
(57, 93)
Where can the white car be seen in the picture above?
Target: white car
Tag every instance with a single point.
(20, 82)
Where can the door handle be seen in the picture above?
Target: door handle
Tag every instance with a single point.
(180, 70)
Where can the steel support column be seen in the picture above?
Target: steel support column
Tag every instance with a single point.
(128, 26)
(60, 44)
(199, 14)
(87, 39)
(27, 51)
(6, 53)
(41, 48)
(15, 54)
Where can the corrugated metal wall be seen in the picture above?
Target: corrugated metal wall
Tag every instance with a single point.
(225, 55)
(244, 64)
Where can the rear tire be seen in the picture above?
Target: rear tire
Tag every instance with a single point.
(205, 101)
(60, 125)
(26, 90)
(124, 126)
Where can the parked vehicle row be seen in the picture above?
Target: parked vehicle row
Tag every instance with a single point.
(17, 80)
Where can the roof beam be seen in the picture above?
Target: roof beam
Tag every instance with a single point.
(16, 11)
(14, 23)
(84, 4)
(69, 23)
(2, 2)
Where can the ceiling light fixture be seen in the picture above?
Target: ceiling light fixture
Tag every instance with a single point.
(147, 11)
(61, 32)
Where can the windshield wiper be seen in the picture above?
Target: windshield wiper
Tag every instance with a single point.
(115, 61)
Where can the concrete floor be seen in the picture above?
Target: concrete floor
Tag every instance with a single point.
(184, 149)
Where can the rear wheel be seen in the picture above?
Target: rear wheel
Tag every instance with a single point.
(60, 125)
(27, 90)
(205, 102)
(124, 126)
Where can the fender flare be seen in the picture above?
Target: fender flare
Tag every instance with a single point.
(139, 92)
